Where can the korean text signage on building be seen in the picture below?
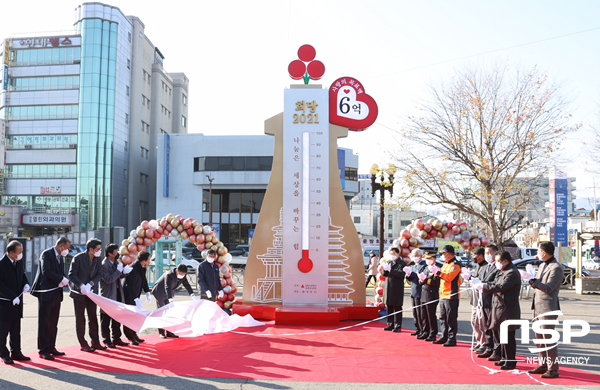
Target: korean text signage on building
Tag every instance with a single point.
(6, 50)
(47, 219)
(50, 190)
(558, 193)
(45, 42)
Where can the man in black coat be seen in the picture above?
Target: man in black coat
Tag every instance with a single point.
(209, 281)
(84, 277)
(50, 278)
(135, 282)
(13, 284)
(506, 289)
(419, 312)
(430, 295)
(164, 291)
(492, 349)
(393, 291)
(111, 274)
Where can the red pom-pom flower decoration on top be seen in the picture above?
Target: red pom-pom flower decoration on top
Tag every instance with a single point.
(306, 66)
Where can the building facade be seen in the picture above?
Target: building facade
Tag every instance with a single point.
(81, 113)
(239, 168)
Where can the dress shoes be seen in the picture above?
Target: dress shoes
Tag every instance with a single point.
(422, 336)
(500, 363)
(440, 341)
(430, 338)
(120, 342)
(494, 358)
(54, 352)
(87, 348)
(538, 370)
(397, 329)
(415, 333)
(550, 374)
(475, 347)
(7, 360)
(139, 340)
(480, 350)
(163, 336)
(19, 357)
(109, 344)
(134, 342)
(509, 367)
(485, 354)
(389, 327)
(450, 343)
(46, 355)
(98, 346)
(172, 335)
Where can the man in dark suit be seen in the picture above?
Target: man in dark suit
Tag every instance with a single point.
(393, 292)
(547, 284)
(135, 282)
(491, 350)
(112, 273)
(13, 284)
(50, 278)
(209, 281)
(419, 312)
(164, 291)
(84, 277)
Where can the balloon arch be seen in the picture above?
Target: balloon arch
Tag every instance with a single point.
(148, 232)
(415, 236)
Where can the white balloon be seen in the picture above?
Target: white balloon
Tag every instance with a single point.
(228, 258)
(153, 224)
(415, 232)
(174, 233)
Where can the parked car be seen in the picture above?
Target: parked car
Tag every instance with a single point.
(241, 250)
(592, 264)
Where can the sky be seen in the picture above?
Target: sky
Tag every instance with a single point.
(236, 53)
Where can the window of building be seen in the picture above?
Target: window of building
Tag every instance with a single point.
(125, 174)
(43, 141)
(37, 171)
(144, 72)
(238, 163)
(16, 113)
(126, 118)
(184, 99)
(125, 146)
(183, 121)
(148, 79)
(46, 56)
(356, 219)
(351, 173)
(142, 149)
(129, 37)
(148, 103)
(128, 63)
(43, 83)
(127, 90)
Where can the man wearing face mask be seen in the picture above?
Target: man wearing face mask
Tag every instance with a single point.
(393, 292)
(430, 294)
(164, 291)
(50, 276)
(84, 277)
(208, 277)
(449, 276)
(545, 299)
(492, 347)
(477, 309)
(112, 273)
(412, 275)
(13, 285)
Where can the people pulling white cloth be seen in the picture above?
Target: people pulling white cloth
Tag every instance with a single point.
(85, 288)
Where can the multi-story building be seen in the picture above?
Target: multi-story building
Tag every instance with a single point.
(236, 169)
(81, 112)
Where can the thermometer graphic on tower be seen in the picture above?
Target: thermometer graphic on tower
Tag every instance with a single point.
(305, 264)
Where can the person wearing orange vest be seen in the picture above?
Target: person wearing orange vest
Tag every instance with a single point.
(449, 276)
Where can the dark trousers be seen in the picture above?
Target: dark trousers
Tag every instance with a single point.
(418, 314)
(12, 328)
(492, 337)
(509, 350)
(549, 357)
(107, 323)
(130, 334)
(449, 318)
(48, 313)
(81, 307)
(369, 279)
(158, 306)
(431, 322)
(395, 319)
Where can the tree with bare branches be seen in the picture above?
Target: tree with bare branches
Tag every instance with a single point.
(484, 142)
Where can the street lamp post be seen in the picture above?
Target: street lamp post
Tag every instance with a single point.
(382, 186)
(210, 180)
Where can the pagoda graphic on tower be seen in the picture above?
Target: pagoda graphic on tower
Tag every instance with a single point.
(339, 282)
(268, 289)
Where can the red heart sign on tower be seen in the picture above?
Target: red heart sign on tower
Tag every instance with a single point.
(350, 106)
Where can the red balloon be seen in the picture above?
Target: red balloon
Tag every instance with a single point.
(192, 238)
(145, 225)
(406, 259)
(449, 225)
(190, 231)
(419, 224)
(220, 304)
(200, 247)
(433, 232)
(139, 240)
(164, 223)
(405, 252)
(160, 230)
(455, 230)
(405, 234)
(223, 283)
(475, 242)
(466, 244)
(223, 298)
(412, 248)
(428, 236)
(169, 228)
(485, 241)
(186, 224)
(147, 241)
(132, 247)
(231, 297)
(457, 222)
(156, 235)
(233, 289)
(381, 306)
(404, 243)
(141, 248)
(200, 238)
(380, 291)
(382, 278)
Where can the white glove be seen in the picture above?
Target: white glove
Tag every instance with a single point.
(422, 276)
(16, 301)
(84, 289)
(466, 273)
(208, 294)
(387, 267)
(193, 297)
(530, 270)
(127, 270)
(138, 303)
(475, 281)
(148, 297)
(481, 286)
(434, 269)
(407, 270)
(120, 267)
(26, 288)
(525, 275)
(88, 287)
(221, 294)
(171, 300)
(64, 282)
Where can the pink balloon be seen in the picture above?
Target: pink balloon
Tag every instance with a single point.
(405, 252)
(449, 225)
(475, 242)
(455, 230)
(420, 224)
(427, 227)
(404, 243)
(405, 234)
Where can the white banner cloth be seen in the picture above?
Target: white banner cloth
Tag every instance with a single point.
(187, 319)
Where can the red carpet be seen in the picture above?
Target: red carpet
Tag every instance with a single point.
(359, 354)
